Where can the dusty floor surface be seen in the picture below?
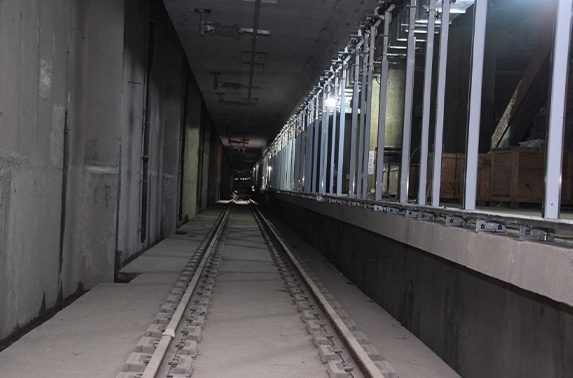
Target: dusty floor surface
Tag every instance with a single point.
(94, 335)
(253, 327)
(407, 354)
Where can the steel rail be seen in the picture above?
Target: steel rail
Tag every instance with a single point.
(367, 366)
(160, 352)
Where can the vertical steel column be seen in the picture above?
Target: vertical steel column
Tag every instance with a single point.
(363, 111)
(427, 104)
(288, 160)
(271, 175)
(315, 149)
(303, 149)
(300, 152)
(308, 155)
(341, 129)
(324, 142)
(333, 144)
(274, 176)
(281, 163)
(296, 153)
(557, 111)
(472, 142)
(274, 166)
(284, 169)
(440, 100)
(368, 115)
(277, 166)
(408, 105)
(266, 175)
(382, 108)
(284, 165)
(352, 182)
(293, 157)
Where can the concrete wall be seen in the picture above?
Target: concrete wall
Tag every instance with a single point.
(192, 143)
(60, 114)
(166, 103)
(480, 325)
(72, 103)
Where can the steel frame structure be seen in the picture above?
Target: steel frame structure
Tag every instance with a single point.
(308, 156)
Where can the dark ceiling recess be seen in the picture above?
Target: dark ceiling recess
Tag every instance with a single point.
(254, 60)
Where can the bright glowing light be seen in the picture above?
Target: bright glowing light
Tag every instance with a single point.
(331, 102)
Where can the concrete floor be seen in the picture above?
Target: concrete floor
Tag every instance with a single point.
(94, 335)
(406, 353)
(253, 328)
(244, 335)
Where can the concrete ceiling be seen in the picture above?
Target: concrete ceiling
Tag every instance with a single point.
(305, 36)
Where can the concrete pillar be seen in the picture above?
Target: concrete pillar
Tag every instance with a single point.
(215, 166)
(137, 17)
(191, 172)
(171, 125)
(95, 133)
(205, 160)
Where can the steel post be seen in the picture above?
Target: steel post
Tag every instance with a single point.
(557, 111)
(382, 109)
(440, 100)
(427, 104)
(472, 142)
(341, 130)
(408, 105)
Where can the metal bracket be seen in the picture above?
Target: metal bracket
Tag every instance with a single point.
(378, 208)
(453, 221)
(426, 216)
(494, 227)
(319, 197)
(392, 210)
(538, 234)
(412, 214)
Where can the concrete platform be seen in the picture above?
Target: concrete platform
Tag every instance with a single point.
(94, 335)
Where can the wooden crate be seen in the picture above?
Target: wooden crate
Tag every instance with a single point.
(451, 182)
(518, 175)
(484, 179)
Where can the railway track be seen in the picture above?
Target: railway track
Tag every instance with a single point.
(246, 304)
